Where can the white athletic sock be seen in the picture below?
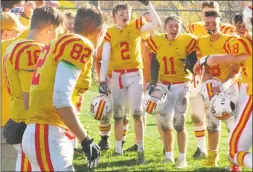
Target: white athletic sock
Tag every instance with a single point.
(169, 155)
(140, 146)
(182, 156)
(200, 137)
(248, 160)
(118, 146)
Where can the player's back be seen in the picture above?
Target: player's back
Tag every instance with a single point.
(19, 62)
(72, 49)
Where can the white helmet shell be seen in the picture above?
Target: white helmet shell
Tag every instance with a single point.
(247, 16)
(100, 107)
(154, 103)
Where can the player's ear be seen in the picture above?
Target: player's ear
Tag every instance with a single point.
(50, 28)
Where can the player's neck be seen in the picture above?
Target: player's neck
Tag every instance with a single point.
(34, 35)
(215, 37)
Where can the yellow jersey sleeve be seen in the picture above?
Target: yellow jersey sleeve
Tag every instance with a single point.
(24, 21)
(241, 46)
(23, 34)
(152, 43)
(226, 28)
(74, 50)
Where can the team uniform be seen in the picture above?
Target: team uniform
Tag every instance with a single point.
(220, 72)
(19, 63)
(47, 140)
(240, 139)
(172, 75)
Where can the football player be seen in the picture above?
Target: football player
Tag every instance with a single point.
(19, 63)
(7, 5)
(240, 139)
(51, 114)
(215, 42)
(10, 28)
(199, 29)
(25, 17)
(122, 45)
(241, 29)
(168, 69)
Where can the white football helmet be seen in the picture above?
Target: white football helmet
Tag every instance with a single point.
(247, 16)
(17, 11)
(195, 86)
(207, 90)
(100, 107)
(154, 103)
(223, 104)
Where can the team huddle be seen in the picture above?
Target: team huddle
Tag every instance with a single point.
(47, 70)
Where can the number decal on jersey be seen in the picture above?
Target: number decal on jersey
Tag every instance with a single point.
(79, 52)
(36, 75)
(243, 69)
(32, 59)
(172, 68)
(5, 74)
(124, 50)
(236, 48)
(215, 70)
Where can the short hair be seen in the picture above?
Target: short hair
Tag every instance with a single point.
(45, 15)
(69, 14)
(121, 6)
(172, 17)
(210, 4)
(212, 13)
(8, 4)
(238, 18)
(88, 20)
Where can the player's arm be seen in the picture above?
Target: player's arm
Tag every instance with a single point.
(156, 21)
(98, 60)
(154, 68)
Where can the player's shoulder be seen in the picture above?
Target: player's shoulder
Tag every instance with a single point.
(204, 38)
(187, 36)
(226, 25)
(198, 24)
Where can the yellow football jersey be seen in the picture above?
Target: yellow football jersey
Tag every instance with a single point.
(168, 55)
(24, 21)
(126, 50)
(221, 46)
(241, 46)
(198, 29)
(19, 62)
(71, 48)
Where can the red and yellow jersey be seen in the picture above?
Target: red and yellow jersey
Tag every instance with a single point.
(168, 55)
(19, 62)
(221, 46)
(242, 46)
(198, 29)
(72, 49)
(125, 43)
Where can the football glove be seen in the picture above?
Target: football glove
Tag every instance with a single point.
(145, 2)
(92, 152)
(189, 62)
(151, 86)
(103, 89)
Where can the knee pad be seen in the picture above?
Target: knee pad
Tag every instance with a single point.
(166, 127)
(118, 113)
(179, 124)
(196, 118)
(137, 114)
(212, 128)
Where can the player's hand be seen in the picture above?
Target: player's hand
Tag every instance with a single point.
(187, 65)
(145, 2)
(103, 89)
(151, 87)
(92, 152)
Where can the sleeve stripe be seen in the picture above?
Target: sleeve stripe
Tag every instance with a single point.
(227, 49)
(152, 41)
(245, 46)
(136, 24)
(150, 45)
(193, 28)
(107, 34)
(107, 39)
(59, 41)
(15, 49)
(225, 31)
(190, 28)
(221, 28)
(192, 47)
(19, 53)
(224, 46)
(190, 44)
(141, 22)
(63, 46)
(250, 42)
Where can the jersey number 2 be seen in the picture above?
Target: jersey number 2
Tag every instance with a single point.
(124, 50)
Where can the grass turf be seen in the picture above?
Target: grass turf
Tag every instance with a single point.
(153, 147)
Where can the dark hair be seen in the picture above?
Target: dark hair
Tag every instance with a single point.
(88, 20)
(8, 4)
(212, 13)
(238, 18)
(118, 7)
(69, 14)
(46, 15)
(210, 4)
(172, 17)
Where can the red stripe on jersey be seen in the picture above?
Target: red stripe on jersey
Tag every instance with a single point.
(59, 41)
(193, 29)
(225, 31)
(141, 22)
(22, 161)
(221, 28)
(150, 45)
(192, 48)
(224, 46)
(19, 53)
(108, 35)
(47, 152)
(250, 42)
(189, 46)
(136, 24)
(245, 45)
(152, 41)
(107, 39)
(63, 46)
(15, 48)
(37, 147)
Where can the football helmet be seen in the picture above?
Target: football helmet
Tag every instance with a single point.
(100, 107)
(223, 104)
(247, 16)
(206, 90)
(154, 102)
(195, 86)
(17, 11)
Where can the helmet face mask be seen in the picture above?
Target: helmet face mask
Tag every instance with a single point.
(100, 107)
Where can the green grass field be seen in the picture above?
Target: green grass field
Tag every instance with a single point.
(153, 147)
